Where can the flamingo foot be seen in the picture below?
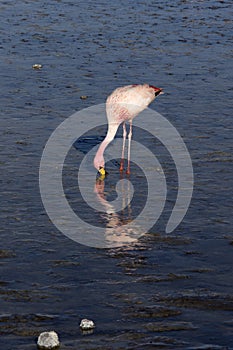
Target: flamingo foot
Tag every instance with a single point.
(122, 165)
(128, 171)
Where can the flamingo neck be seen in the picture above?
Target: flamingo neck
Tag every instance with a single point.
(99, 157)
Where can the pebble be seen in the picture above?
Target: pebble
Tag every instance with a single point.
(37, 66)
(86, 324)
(48, 340)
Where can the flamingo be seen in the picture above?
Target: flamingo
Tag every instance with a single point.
(124, 104)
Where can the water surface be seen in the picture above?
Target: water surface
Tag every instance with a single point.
(167, 291)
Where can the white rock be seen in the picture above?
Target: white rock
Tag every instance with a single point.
(48, 340)
(87, 324)
(37, 66)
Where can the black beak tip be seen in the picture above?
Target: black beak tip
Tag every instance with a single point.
(101, 173)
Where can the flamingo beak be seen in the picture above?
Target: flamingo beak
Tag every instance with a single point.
(102, 173)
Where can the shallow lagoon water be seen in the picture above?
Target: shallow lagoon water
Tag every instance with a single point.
(167, 291)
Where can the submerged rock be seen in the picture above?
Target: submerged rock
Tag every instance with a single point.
(87, 325)
(37, 66)
(48, 340)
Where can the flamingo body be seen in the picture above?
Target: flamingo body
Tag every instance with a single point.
(124, 104)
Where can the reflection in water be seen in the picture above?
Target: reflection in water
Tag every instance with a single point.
(120, 227)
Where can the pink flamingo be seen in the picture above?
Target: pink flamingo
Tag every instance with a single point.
(123, 105)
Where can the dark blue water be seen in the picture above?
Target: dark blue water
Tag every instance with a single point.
(167, 291)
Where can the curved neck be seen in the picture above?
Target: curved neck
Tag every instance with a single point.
(99, 157)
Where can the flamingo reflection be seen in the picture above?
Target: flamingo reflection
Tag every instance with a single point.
(120, 228)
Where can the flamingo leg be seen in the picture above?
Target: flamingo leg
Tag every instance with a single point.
(129, 145)
(123, 148)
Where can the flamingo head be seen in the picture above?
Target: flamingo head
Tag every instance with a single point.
(101, 174)
(102, 171)
(157, 91)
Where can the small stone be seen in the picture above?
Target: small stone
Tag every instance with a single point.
(87, 324)
(48, 340)
(37, 66)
